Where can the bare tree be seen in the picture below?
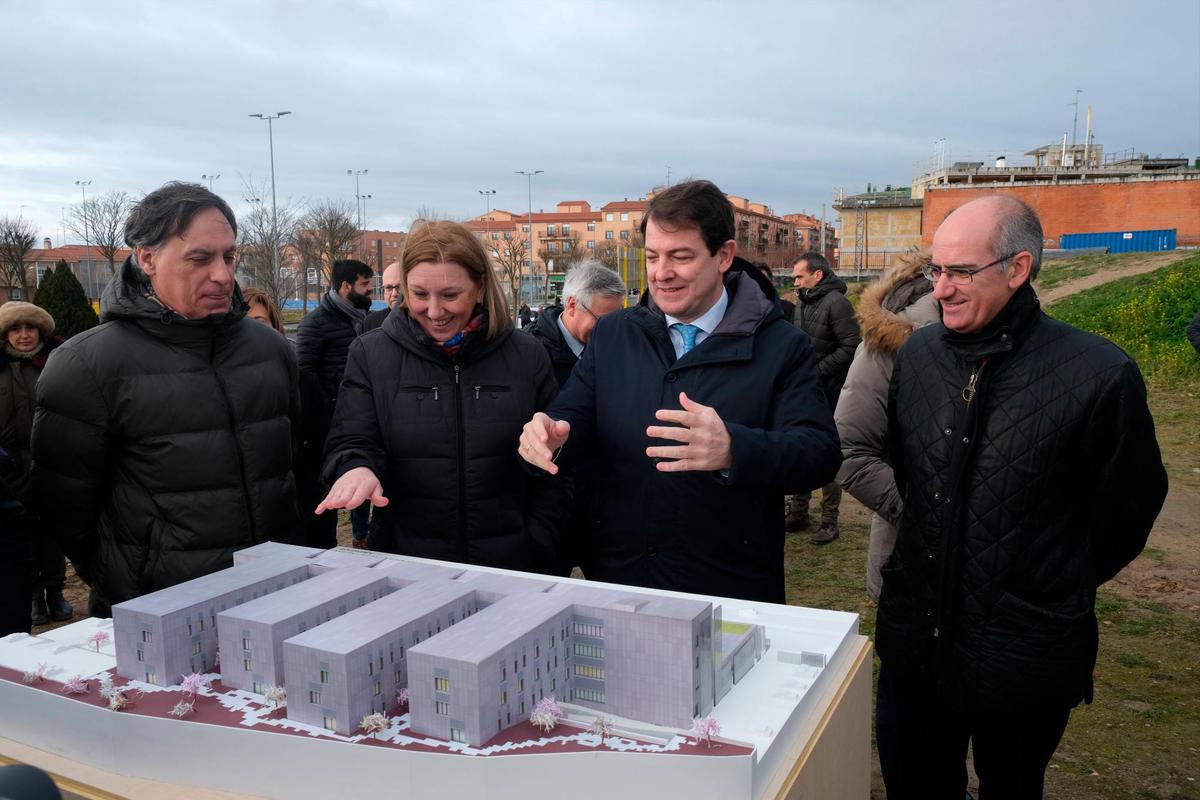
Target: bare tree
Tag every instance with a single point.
(563, 253)
(17, 236)
(326, 233)
(100, 222)
(258, 238)
(509, 255)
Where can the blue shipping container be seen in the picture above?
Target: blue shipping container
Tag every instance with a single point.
(1121, 241)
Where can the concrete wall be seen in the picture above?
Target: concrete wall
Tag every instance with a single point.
(1088, 208)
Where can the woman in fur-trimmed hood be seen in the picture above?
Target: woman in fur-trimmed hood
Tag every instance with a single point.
(27, 332)
(889, 310)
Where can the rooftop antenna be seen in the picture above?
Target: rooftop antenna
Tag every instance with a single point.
(1075, 123)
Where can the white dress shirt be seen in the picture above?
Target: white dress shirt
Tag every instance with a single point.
(706, 322)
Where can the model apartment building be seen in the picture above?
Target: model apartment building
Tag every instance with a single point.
(344, 631)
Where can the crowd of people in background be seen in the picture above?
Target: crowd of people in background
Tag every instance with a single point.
(1010, 461)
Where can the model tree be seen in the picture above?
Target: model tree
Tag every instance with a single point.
(546, 714)
(373, 724)
(276, 695)
(62, 296)
(705, 728)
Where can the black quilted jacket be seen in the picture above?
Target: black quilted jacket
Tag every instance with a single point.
(824, 313)
(1019, 500)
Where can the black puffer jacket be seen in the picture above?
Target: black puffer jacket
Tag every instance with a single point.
(441, 436)
(1017, 505)
(322, 341)
(824, 313)
(545, 330)
(162, 445)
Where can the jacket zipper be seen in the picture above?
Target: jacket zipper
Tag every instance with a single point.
(968, 394)
(462, 467)
(418, 389)
(237, 448)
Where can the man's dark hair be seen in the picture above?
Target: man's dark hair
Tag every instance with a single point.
(167, 212)
(814, 261)
(694, 204)
(349, 271)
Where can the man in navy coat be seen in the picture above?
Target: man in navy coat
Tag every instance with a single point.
(699, 409)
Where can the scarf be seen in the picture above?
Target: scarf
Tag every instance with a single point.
(28, 355)
(355, 313)
(454, 344)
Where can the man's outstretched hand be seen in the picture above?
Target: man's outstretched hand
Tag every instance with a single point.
(540, 438)
(352, 489)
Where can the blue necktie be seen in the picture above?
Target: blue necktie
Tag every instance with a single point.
(688, 332)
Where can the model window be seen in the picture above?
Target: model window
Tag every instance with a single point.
(587, 671)
(314, 698)
(149, 677)
(245, 643)
(141, 655)
(457, 735)
(521, 685)
(324, 676)
(330, 724)
(441, 684)
(195, 648)
(441, 708)
(246, 664)
(378, 688)
(147, 636)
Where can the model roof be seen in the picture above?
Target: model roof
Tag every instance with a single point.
(347, 558)
(304, 596)
(414, 570)
(274, 550)
(364, 625)
(500, 625)
(645, 605)
(216, 584)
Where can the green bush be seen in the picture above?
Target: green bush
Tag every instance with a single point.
(1146, 315)
(61, 294)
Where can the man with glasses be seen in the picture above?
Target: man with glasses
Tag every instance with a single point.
(392, 292)
(1025, 454)
(590, 291)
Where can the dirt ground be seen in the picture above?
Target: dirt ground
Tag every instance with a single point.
(1131, 264)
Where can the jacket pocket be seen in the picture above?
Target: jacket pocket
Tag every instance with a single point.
(902, 626)
(493, 402)
(1027, 656)
(415, 404)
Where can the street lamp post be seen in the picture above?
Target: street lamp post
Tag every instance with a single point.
(87, 242)
(529, 187)
(211, 178)
(358, 213)
(270, 118)
(487, 213)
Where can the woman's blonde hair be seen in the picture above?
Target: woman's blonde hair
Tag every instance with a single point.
(257, 297)
(445, 242)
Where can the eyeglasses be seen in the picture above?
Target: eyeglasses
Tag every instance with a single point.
(583, 305)
(388, 288)
(960, 276)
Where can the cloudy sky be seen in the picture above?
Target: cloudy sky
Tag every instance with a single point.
(779, 101)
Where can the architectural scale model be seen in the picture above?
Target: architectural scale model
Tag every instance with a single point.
(344, 632)
(426, 660)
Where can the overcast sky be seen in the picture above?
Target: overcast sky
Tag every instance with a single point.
(781, 102)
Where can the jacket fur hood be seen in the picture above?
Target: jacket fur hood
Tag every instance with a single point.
(15, 312)
(894, 306)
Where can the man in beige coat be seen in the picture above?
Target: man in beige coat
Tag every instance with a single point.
(889, 310)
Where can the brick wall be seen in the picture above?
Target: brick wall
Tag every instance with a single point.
(1089, 208)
